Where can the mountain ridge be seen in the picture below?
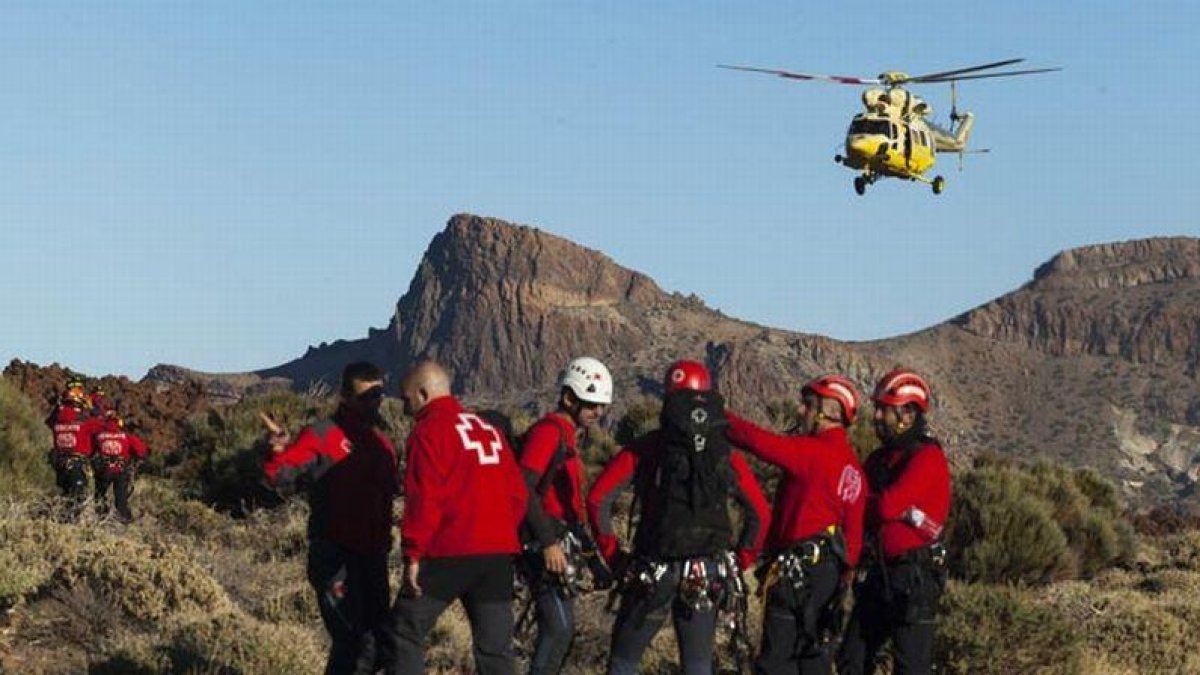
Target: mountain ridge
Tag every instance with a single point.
(1093, 361)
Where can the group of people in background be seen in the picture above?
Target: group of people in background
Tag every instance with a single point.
(482, 507)
(90, 435)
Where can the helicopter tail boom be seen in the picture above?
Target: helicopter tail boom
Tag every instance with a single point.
(955, 140)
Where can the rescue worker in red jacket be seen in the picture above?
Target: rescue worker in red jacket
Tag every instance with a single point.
(115, 450)
(554, 474)
(72, 426)
(464, 500)
(664, 576)
(349, 467)
(816, 525)
(909, 479)
(98, 401)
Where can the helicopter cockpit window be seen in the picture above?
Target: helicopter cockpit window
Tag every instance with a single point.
(871, 127)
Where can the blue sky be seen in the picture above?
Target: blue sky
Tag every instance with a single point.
(220, 184)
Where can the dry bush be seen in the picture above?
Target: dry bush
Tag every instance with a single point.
(640, 418)
(24, 444)
(986, 628)
(155, 596)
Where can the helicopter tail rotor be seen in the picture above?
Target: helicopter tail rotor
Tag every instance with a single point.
(953, 105)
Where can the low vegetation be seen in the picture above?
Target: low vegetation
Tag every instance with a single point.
(1048, 576)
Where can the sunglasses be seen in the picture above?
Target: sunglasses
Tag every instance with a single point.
(372, 394)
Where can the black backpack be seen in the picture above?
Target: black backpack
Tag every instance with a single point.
(693, 479)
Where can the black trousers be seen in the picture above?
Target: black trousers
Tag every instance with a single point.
(643, 611)
(554, 610)
(121, 483)
(484, 584)
(352, 594)
(71, 477)
(901, 606)
(791, 641)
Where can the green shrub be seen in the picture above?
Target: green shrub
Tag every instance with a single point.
(223, 449)
(640, 418)
(999, 532)
(24, 444)
(985, 629)
(1035, 523)
(782, 414)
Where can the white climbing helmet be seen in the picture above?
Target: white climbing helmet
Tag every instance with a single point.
(589, 379)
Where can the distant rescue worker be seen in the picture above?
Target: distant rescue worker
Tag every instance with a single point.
(685, 560)
(73, 426)
(115, 453)
(554, 531)
(98, 401)
(464, 499)
(909, 479)
(816, 526)
(349, 466)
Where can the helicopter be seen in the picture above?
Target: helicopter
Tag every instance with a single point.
(895, 137)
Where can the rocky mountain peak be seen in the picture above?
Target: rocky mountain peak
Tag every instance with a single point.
(1137, 300)
(1122, 264)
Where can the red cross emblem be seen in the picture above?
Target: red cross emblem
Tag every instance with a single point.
(480, 437)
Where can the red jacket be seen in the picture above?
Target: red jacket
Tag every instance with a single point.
(354, 477)
(621, 471)
(463, 491)
(73, 430)
(823, 484)
(562, 499)
(919, 481)
(114, 444)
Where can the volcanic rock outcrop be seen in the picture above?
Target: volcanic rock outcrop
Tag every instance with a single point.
(1093, 362)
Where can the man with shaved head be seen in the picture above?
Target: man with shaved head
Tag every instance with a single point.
(464, 499)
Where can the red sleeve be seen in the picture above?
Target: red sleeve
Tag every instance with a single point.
(782, 451)
(855, 501)
(138, 447)
(925, 482)
(616, 475)
(756, 511)
(294, 460)
(425, 490)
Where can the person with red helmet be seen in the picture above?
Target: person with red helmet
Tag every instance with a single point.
(554, 474)
(683, 475)
(464, 502)
(816, 525)
(115, 453)
(72, 427)
(897, 593)
(349, 466)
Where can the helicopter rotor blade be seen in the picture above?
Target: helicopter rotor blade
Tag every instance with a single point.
(959, 71)
(836, 79)
(985, 75)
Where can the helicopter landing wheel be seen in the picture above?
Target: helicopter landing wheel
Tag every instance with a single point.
(939, 184)
(860, 184)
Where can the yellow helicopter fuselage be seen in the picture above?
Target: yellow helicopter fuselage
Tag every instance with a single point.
(889, 145)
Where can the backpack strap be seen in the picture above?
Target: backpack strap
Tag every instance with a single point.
(560, 457)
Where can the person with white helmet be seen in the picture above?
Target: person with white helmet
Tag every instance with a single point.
(554, 474)
(897, 594)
